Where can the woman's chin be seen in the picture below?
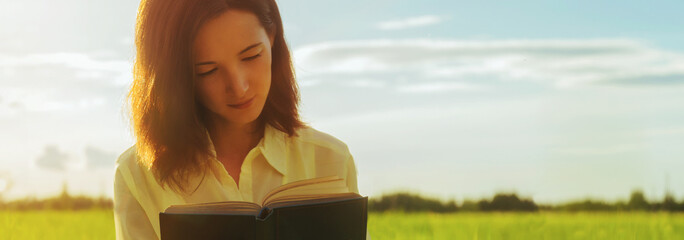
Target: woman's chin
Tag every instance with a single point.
(241, 120)
(237, 116)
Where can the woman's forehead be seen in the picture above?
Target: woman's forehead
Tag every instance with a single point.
(232, 30)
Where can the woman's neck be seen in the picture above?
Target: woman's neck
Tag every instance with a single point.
(232, 140)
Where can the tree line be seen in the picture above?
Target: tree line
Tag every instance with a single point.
(399, 201)
(503, 202)
(63, 201)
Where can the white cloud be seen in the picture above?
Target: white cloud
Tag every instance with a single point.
(410, 22)
(78, 61)
(53, 159)
(97, 158)
(61, 81)
(438, 87)
(367, 83)
(558, 63)
(49, 100)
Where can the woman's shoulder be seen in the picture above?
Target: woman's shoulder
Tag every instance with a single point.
(328, 155)
(128, 162)
(128, 157)
(133, 171)
(310, 136)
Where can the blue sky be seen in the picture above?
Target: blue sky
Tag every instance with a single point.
(554, 100)
(654, 21)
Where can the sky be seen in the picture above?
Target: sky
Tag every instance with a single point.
(553, 100)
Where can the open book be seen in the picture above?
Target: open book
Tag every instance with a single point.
(319, 208)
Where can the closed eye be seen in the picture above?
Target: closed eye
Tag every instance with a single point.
(213, 70)
(252, 57)
(207, 73)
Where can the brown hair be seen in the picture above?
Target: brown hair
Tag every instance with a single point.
(169, 126)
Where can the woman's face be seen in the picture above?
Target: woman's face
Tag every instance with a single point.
(233, 66)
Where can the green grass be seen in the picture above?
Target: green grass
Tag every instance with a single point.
(99, 224)
(556, 226)
(91, 224)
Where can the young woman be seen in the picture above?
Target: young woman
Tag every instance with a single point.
(214, 110)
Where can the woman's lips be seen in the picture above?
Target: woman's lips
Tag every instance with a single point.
(242, 105)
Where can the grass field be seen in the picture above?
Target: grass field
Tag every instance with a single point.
(95, 224)
(552, 226)
(557, 226)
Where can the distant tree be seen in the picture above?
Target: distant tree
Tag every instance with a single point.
(507, 202)
(469, 206)
(504, 202)
(621, 206)
(63, 201)
(545, 207)
(484, 205)
(669, 204)
(637, 201)
(450, 206)
(408, 202)
(587, 205)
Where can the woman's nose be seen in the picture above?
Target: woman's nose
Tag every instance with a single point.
(236, 84)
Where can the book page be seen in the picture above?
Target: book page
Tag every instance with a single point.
(310, 199)
(298, 184)
(299, 192)
(228, 207)
(317, 187)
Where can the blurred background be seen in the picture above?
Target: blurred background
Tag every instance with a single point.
(554, 100)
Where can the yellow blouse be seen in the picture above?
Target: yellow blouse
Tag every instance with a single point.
(277, 159)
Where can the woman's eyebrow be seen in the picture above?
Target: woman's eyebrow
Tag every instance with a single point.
(250, 47)
(241, 52)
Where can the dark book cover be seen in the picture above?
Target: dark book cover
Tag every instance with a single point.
(339, 219)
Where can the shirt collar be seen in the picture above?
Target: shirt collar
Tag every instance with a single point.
(272, 146)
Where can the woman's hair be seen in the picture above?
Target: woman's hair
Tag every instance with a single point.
(167, 118)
